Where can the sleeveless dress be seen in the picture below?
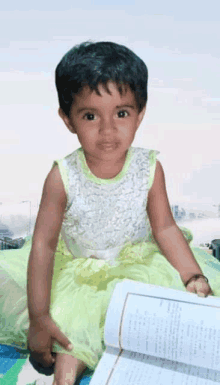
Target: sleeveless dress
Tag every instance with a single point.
(105, 218)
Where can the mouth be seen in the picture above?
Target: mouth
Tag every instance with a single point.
(108, 145)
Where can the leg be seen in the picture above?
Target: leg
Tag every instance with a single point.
(67, 369)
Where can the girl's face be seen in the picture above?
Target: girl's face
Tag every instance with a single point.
(105, 125)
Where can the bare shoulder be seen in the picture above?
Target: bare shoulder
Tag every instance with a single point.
(159, 180)
(159, 177)
(51, 210)
(53, 187)
(158, 207)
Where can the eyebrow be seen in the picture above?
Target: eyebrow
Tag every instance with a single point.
(94, 109)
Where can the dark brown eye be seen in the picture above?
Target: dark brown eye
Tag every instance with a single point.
(89, 116)
(122, 113)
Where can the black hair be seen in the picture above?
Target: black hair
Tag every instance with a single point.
(92, 63)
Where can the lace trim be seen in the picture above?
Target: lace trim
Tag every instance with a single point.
(63, 173)
(153, 160)
(94, 178)
(83, 168)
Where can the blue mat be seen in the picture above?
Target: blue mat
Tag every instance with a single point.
(11, 364)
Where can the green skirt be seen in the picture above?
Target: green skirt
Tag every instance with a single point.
(82, 290)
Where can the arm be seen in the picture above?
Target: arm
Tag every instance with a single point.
(46, 233)
(166, 232)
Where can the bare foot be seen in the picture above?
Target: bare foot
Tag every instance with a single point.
(67, 369)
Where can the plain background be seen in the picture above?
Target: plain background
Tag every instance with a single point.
(179, 42)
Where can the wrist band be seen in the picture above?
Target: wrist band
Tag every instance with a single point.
(196, 276)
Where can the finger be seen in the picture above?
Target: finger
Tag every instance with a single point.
(46, 360)
(62, 340)
(191, 287)
(201, 288)
(196, 289)
(49, 360)
(202, 292)
(43, 356)
(210, 292)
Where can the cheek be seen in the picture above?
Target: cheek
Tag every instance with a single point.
(88, 136)
(129, 127)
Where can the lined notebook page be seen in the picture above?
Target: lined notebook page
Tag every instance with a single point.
(138, 369)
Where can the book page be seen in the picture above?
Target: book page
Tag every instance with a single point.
(130, 368)
(105, 367)
(165, 323)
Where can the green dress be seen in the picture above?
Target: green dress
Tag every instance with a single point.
(105, 218)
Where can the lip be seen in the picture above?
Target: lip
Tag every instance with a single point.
(108, 144)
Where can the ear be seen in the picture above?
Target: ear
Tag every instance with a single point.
(141, 115)
(66, 120)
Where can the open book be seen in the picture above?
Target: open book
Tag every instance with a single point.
(155, 336)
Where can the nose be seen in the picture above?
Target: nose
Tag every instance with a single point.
(107, 124)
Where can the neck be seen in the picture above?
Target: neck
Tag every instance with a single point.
(105, 164)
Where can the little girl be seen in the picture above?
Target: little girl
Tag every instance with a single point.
(104, 217)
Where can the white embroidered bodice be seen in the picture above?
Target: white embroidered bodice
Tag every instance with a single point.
(102, 215)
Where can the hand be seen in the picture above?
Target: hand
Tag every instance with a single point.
(42, 333)
(200, 286)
